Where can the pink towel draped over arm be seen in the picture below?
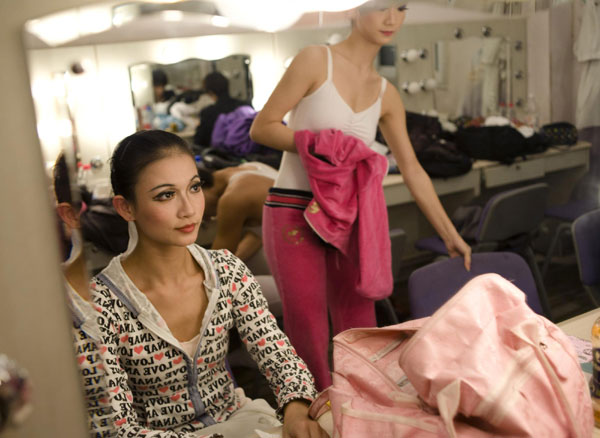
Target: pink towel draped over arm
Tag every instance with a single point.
(348, 209)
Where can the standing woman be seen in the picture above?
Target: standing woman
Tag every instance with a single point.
(334, 87)
(166, 308)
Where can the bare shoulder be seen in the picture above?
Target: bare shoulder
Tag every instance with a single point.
(312, 54)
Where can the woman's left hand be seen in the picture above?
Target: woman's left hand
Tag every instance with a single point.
(297, 423)
(458, 247)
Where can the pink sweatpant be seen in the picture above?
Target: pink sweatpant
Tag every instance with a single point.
(309, 282)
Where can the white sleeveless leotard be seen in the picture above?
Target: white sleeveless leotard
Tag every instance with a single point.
(326, 109)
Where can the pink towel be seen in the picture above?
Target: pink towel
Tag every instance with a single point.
(348, 209)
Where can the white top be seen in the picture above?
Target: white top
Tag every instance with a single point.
(326, 109)
(191, 346)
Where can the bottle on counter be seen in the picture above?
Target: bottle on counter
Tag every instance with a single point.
(595, 384)
(531, 112)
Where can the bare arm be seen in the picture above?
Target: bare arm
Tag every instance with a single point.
(231, 216)
(393, 127)
(299, 79)
(248, 245)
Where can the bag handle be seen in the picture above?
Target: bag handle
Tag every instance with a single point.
(529, 333)
(447, 402)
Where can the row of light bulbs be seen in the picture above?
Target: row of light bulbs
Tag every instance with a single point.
(415, 87)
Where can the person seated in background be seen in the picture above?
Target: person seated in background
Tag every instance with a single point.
(160, 84)
(217, 87)
(85, 331)
(235, 196)
(166, 308)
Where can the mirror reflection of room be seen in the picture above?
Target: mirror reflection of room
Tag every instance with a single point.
(497, 117)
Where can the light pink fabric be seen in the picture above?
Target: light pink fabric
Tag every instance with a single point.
(348, 210)
(483, 365)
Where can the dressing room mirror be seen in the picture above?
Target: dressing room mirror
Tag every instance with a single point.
(170, 96)
(471, 75)
(90, 89)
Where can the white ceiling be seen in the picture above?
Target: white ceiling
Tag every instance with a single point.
(155, 27)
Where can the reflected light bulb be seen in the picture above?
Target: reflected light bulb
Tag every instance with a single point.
(413, 88)
(412, 55)
(430, 84)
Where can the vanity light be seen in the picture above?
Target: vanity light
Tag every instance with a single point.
(413, 54)
(428, 84)
(411, 87)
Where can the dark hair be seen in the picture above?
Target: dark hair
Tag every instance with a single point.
(60, 173)
(137, 151)
(159, 78)
(206, 176)
(216, 83)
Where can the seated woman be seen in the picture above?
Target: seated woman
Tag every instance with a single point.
(166, 308)
(235, 197)
(85, 332)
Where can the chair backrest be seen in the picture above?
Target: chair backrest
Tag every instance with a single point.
(430, 286)
(586, 237)
(513, 212)
(398, 240)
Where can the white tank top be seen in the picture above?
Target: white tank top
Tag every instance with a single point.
(326, 109)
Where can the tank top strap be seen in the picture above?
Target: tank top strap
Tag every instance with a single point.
(329, 64)
(383, 84)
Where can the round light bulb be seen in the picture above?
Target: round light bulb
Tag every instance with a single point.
(414, 88)
(430, 84)
(412, 55)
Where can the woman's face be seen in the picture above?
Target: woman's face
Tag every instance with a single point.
(379, 25)
(169, 203)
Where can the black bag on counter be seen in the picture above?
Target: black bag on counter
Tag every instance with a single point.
(498, 143)
(560, 133)
(440, 158)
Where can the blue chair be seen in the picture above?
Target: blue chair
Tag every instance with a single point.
(566, 215)
(507, 222)
(586, 238)
(430, 286)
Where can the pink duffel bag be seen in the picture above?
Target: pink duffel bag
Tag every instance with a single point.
(484, 365)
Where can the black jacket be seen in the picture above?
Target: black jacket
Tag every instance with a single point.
(209, 115)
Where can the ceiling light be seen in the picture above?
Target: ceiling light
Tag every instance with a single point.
(219, 21)
(330, 5)
(266, 15)
(171, 15)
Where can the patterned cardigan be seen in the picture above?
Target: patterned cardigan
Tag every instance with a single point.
(155, 388)
(85, 335)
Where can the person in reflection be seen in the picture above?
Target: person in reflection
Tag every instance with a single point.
(85, 331)
(234, 196)
(166, 308)
(160, 86)
(335, 88)
(217, 87)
